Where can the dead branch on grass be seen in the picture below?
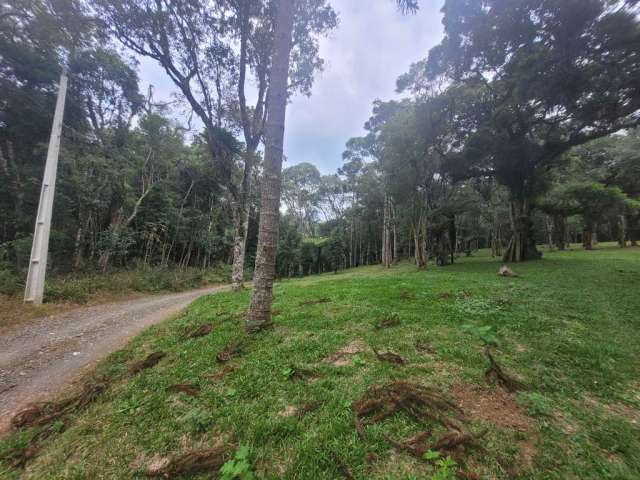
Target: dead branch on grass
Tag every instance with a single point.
(389, 357)
(46, 412)
(150, 361)
(207, 460)
(495, 374)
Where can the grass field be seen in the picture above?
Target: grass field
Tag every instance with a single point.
(568, 327)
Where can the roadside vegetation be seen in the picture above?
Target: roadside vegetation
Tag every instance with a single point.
(282, 404)
(65, 291)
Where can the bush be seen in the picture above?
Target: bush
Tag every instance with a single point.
(68, 290)
(9, 282)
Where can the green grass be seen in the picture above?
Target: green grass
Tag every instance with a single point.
(567, 326)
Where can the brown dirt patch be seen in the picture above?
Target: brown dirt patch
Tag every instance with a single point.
(187, 388)
(492, 405)
(288, 411)
(340, 358)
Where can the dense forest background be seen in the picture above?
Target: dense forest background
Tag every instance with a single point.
(137, 188)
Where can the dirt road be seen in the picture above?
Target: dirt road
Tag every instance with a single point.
(47, 355)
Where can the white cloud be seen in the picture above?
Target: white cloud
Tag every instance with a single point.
(373, 45)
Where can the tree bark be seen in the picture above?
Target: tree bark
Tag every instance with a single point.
(387, 253)
(587, 238)
(622, 233)
(259, 314)
(559, 232)
(241, 221)
(522, 246)
(419, 235)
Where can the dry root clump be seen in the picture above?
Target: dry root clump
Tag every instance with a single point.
(342, 467)
(425, 348)
(188, 388)
(389, 357)
(200, 331)
(302, 373)
(390, 320)
(207, 460)
(505, 271)
(425, 406)
(340, 357)
(495, 374)
(421, 403)
(151, 361)
(47, 412)
(308, 408)
(18, 457)
(315, 301)
(222, 373)
(232, 349)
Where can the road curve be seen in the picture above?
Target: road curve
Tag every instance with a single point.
(49, 354)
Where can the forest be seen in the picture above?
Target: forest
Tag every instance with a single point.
(489, 147)
(363, 305)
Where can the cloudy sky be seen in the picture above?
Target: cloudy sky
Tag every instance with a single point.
(372, 46)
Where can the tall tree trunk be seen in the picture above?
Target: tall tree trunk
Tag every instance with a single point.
(241, 221)
(622, 233)
(522, 246)
(559, 231)
(259, 314)
(419, 235)
(587, 238)
(386, 234)
(453, 237)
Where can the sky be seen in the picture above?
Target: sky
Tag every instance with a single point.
(373, 44)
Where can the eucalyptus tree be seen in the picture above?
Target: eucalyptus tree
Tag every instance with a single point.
(596, 202)
(209, 50)
(192, 42)
(259, 314)
(253, 22)
(527, 82)
(300, 193)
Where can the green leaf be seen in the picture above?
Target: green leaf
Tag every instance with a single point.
(431, 455)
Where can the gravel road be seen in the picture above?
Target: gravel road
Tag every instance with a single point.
(48, 354)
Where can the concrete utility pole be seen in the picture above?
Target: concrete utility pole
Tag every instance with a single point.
(34, 289)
